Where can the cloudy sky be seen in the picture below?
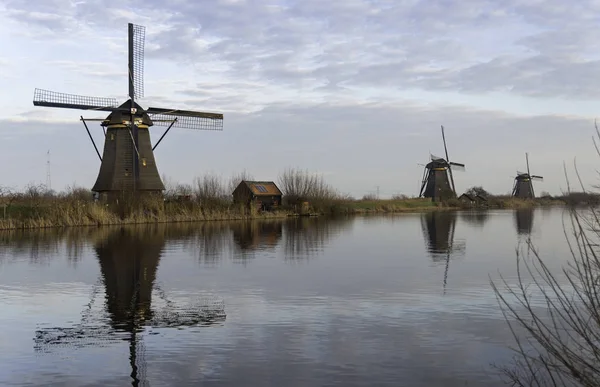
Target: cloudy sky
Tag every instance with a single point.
(353, 89)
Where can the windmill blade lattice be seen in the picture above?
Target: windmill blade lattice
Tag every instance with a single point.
(138, 38)
(49, 98)
(186, 119)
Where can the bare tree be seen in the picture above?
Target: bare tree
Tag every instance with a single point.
(237, 178)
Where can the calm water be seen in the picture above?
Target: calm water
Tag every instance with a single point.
(398, 300)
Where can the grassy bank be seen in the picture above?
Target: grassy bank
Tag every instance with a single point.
(209, 198)
(368, 206)
(68, 212)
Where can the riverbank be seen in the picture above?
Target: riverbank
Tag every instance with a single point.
(419, 204)
(86, 213)
(48, 213)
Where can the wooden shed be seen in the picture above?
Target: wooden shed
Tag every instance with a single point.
(263, 195)
(466, 198)
(473, 200)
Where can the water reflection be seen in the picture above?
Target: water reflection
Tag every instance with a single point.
(438, 231)
(524, 220)
(305, 237)
(257, 235)
(208, 241)
(476, 218)
(129, 259)
(368, 310)
(40, 246)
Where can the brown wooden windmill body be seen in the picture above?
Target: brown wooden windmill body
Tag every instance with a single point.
(523, 186)
(438, 181)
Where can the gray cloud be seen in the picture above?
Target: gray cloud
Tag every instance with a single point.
(318, 45)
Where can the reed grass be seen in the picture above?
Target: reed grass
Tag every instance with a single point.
(209, 198)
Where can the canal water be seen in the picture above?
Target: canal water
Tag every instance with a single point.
(402, 300)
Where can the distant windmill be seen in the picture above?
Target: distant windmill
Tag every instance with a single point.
(523, 187)
(127, 163)
(435, 183)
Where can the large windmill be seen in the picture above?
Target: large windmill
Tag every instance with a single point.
(438, 181)
(127, 163)
(523, 187)
(129, 261)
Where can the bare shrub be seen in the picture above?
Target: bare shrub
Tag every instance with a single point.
(297, 184)
(560, 345)
(210, 190)
(399, 197)
(369, 197)
(74, 192)
(170, 187)
(556, 322)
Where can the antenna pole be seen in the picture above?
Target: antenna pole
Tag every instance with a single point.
(48, 181)
(448, 161)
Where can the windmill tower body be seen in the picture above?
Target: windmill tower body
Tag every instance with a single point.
(523, 186)
(117, 171)
(437, 182)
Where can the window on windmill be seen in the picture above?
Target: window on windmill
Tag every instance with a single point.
(112, 136)
(144, 161)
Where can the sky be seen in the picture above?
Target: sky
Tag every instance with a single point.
(355, 90)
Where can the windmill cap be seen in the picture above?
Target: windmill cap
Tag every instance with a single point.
(119, 117)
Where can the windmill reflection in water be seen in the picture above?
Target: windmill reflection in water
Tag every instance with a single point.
(438, 231)
(129, 259)
(524, 221)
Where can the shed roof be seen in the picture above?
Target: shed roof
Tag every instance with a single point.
(481, 197)
(262, 188)
(466, 196)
